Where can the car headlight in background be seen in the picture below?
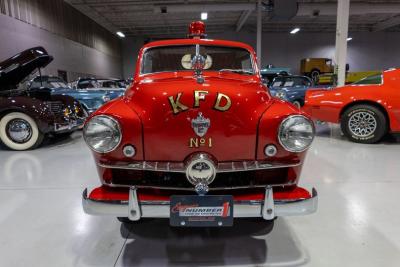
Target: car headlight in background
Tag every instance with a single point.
(102, 133)
(106, 98)
(296, 133)
(280, 94)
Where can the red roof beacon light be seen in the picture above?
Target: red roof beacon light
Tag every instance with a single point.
(197, 29)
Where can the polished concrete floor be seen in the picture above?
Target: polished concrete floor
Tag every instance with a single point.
(357, 224)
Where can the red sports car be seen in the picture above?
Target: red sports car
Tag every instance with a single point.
(198, 139)
(366, 110)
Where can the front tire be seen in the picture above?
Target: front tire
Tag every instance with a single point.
(314, 75)
(364, 124)
(19, 131)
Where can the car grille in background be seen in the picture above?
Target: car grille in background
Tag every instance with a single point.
(56, 107)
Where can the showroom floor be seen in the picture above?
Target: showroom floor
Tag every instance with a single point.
(357, 224)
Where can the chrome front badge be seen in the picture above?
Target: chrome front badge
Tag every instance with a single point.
(200, 125)
(200, 171)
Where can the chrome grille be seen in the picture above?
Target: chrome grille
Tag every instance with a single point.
(56, 107)
(231, 166)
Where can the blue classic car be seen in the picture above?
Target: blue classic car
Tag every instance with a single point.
(112, 87)
(270, 72)
(91, 98)
(291, 88)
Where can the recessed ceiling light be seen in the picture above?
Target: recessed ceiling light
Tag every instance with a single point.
(121, 34)
(349, 38)
(295, 30)
(204, 15)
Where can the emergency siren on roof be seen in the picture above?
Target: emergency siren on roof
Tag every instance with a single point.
(197, 29)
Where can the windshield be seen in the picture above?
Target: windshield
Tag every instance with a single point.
(291, 82)
(88, 84)
(374, 79)
(110, 84)
(48, 82)
(178, 58)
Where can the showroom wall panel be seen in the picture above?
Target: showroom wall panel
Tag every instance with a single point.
(367, 50)
(79, 46)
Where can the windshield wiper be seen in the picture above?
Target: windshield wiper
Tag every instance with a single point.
(237, 71)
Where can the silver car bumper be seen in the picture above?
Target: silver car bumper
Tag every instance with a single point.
(134, 209)
(69, 126)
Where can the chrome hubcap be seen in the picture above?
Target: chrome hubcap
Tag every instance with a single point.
(19, 130)
(362, 124)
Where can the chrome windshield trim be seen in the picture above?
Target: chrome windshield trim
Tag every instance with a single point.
(231, 166)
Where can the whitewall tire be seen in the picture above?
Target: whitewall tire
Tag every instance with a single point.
(19, 131)
(297, 104)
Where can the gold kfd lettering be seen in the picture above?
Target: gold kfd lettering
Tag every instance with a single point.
(222, 102)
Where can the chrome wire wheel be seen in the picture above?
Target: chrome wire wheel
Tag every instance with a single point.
(362, 124)
(19, 130)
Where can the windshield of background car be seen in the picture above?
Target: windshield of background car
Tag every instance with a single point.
(88, 84)
(178, 58)
(50, 82)
(290, 82)
(109, 84)
(374, 79)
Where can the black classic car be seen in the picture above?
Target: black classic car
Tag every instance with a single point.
(27, 116)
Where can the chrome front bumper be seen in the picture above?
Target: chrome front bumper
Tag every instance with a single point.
(134, 209)
(69, 126)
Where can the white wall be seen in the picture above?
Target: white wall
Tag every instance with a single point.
(367, 50)
(70, 56)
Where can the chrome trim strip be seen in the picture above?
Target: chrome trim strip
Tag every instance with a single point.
(230, 166)
(160, 209)
(192, 188)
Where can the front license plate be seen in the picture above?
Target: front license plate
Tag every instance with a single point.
(201, 211)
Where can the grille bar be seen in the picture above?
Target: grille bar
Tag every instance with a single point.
(56, 107)
(233, 166)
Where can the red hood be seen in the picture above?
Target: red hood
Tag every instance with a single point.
(168, 136)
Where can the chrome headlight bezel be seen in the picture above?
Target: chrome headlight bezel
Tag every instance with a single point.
(106, 98)
(117, 129)
(282, 129)
(280, 94)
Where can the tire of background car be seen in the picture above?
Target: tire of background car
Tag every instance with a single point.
(364, 124)
(314, 74)
(33, 135)
(298, 103)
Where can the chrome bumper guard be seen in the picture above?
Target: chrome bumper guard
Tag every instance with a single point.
(134, 210)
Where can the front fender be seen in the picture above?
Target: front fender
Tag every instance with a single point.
(268, 134)
(131, 128)
(30, 106)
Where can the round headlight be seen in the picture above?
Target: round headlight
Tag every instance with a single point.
(280, 94)
(296, 133)
(102, 133)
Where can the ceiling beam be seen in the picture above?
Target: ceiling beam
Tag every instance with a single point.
(380, 26)
(242, 20)
(330, 9)
(204, 8)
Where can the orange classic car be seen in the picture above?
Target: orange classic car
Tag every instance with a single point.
(366, 110)
(198, 139)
